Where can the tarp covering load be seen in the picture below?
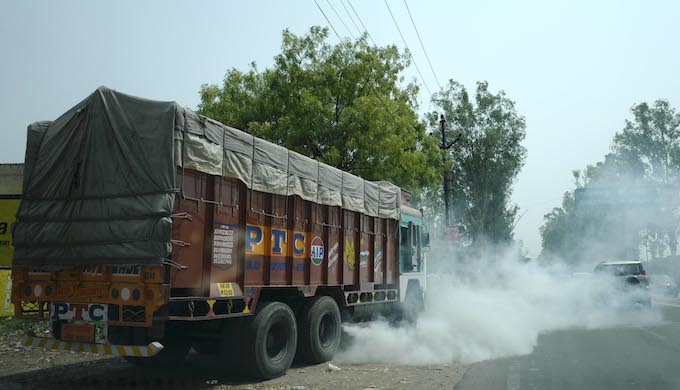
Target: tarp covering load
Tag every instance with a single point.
(100, 180)
(99, 184)
(209, 146)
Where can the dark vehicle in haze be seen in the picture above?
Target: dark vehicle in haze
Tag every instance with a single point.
(663, 285)
(632, 277)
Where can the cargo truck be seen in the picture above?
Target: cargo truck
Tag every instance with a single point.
(146, 229)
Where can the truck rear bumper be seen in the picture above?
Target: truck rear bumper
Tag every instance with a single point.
(98, 348)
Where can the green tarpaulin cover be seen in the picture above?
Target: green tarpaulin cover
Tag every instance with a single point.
(99, 182)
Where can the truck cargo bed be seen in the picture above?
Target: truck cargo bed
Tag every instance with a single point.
(224, 232)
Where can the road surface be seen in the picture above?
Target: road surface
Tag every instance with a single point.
(625, 357)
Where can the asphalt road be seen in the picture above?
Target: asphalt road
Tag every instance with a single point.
(625, 357)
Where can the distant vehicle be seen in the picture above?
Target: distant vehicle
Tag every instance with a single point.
(633, 276)
(663, 285)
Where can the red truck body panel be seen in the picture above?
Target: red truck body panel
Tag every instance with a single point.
(224, 232)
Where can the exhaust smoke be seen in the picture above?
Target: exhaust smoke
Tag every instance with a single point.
(497, 311)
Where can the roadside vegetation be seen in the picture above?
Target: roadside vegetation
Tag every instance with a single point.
(350, 106)
(625, 206)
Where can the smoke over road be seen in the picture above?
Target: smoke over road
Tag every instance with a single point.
(497, 312)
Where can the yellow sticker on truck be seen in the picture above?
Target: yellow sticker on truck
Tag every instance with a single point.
(226, 289)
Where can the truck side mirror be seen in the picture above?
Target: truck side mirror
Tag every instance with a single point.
(426, 238)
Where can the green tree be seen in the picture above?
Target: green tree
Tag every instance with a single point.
(644, 162)
(341, 104)
(650, 142)
(485, 161)
(556, 231)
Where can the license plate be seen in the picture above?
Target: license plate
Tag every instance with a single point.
(83, 333)
(88, 312)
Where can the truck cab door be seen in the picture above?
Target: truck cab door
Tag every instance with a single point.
(410, 248)
(405, 248)
(414, 234)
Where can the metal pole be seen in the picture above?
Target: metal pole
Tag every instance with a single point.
(442, 123)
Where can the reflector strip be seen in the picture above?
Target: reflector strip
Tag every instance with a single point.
(102, 349)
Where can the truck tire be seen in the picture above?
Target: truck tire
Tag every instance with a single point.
(271, 338)
(175, 349)
(320, 330)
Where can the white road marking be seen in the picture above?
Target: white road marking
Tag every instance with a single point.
(513, 376)
(666, 304)
(660, 337)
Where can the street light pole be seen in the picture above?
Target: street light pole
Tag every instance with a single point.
(442, 123)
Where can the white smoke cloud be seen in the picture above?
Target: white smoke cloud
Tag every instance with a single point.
(499, 311)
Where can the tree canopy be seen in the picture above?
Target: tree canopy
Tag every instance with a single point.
(649, 144)
(342, 104)
(349, 106)
(485, 160)
(641, 177)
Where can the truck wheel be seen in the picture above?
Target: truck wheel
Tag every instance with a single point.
(320, 330)
(175, 349)
(271, 337)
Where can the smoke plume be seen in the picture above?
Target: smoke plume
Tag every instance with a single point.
(498, 310)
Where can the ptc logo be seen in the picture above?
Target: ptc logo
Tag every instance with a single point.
(317, 251)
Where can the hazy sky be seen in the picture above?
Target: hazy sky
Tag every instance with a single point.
(573, 67)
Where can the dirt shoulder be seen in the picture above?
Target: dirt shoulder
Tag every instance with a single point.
(24, 368)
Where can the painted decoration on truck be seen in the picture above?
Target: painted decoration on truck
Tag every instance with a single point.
(93, 270)
(363, 256)
(224, 245)
(317, 251)
(128, 270)
(377, 258)
(88, 312)
(279, 241)
(349, 257)
(333, 255)
(299, 244)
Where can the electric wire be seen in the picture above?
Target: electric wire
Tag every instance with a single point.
(344, 43)
(369, 35)
(422, 45)
(361, 22)
(350, 17)
(409, 50)
(341, 21)
(331, 24)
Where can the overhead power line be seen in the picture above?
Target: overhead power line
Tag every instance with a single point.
(407, 48)
(421, 45)
(342, 41)
(361, 22)
(350, 17)
(341, 21)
